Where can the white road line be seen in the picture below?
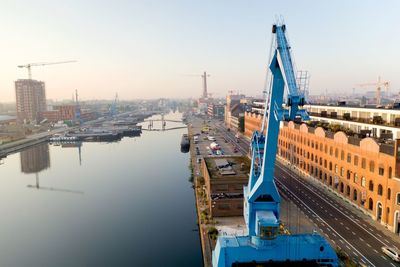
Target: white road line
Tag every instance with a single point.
(362, 240)
(353, 233)
(368, 245)
(375, 251)
(387, 241)
(392, 264)
(330, 227)
(281, 168)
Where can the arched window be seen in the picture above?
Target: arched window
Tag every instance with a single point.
(363, 181)
(336, 168)
(380, 190)
(371, 186)
(356, 160)
(330, 166)
(331, 151)
(341, 187)
(355, 194)
(336, 152)
(348, 157)
(390, 172)
(348, 190)
(389, 192)
(325, 163)
(348, 174)
(342, 171)
(355, 178)
(371, 166)
(370, 204)
(342, 155)
(398, 198)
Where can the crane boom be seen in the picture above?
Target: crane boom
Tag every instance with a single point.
(29, 65)
(264, 242)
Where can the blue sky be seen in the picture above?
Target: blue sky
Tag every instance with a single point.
(140, 49)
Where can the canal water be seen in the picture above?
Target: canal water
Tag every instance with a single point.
(128, 203)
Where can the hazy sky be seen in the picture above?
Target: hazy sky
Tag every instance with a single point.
(141, 49)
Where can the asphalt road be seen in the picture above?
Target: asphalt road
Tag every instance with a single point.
(344, 228)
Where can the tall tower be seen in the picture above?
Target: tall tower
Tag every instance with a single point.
(30, 99)
(204, 76)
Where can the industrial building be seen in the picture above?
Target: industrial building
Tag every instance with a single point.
(216, 111)
(224, 180)
(363, 170)
(30, 99)
(60, 113)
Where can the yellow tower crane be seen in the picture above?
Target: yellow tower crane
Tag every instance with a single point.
(379, 84)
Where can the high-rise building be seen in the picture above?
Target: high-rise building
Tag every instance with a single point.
(30, 99)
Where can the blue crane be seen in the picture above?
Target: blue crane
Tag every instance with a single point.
(265, 242)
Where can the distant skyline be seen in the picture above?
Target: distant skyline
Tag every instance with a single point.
(143, 49)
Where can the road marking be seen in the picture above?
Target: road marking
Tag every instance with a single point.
(362, 240)
(329, 226)
(347, 247)
(323, 199)
(379, 235)
(353, 233)
(368, 245)
(375, 251)
(347, 228)
(392, 264)
(387, 241)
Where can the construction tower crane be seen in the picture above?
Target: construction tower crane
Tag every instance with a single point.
(29, 65)
(265, 242)
(379, 84)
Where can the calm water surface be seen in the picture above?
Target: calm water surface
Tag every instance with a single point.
(128, 203)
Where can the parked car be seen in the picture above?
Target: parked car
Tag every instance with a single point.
(392, 253)
(211, 138)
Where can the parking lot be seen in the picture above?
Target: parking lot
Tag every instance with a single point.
(227, 147)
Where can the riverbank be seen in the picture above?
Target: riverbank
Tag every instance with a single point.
(31, 140)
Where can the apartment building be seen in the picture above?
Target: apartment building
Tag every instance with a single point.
(30, 99)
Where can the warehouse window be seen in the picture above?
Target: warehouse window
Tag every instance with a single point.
(380, 190)
(381, 171)
(371, 166)
(355, 178)
(363, 163)
(355, 160)
(348, 157)
(371, 186)
(363, 181)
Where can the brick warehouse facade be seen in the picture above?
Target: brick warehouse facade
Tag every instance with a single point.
(362, 170)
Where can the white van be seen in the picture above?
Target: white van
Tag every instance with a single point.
(393, 253)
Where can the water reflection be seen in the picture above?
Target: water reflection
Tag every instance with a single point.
(35, 159)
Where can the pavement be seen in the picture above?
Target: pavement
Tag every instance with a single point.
(343, 225)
